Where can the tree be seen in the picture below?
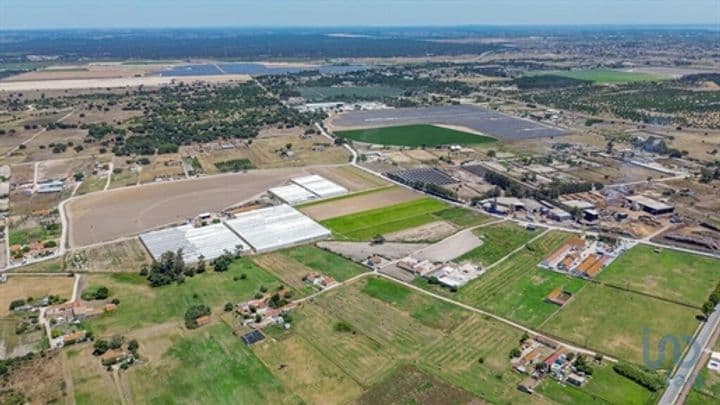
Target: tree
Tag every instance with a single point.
(708, 308)
(100, 346)
(193, 313)
(228, 306)
(133, 345)
(116, 342)
(515, 353)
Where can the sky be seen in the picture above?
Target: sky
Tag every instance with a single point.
(40, 14)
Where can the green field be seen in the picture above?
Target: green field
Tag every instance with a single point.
(365, 225)
(462, 216)
(141, 305)
(209, 365)
(414, 135)
(670, 274)
(498, 241)
(349, 92)
(517, 288)
(605, 386)
(601, 75)
(621, 323)
(327, 263)
(92, 183)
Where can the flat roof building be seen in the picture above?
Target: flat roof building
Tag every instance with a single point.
(651, 206)
(292, 194)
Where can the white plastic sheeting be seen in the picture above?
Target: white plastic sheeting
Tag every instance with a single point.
(209, 241)
(276, 227)
(319, 185)
(292, 194)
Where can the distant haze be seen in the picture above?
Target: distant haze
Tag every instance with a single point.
(40, 14)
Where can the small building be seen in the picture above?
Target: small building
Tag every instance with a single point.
(111, 357)
(559, 215)
(54, 186)
(558, 296)
(575, 380)
(591, 215)
(528, 385)
(75, 337)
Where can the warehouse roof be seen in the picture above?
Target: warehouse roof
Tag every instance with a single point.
(649, 202)
(209, 241)
(276, 227)
(292, 194)
(320, 185)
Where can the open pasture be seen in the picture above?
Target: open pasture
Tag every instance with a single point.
(358, 202)
(498, 241)
(142, 305)
(327, 263)
(669, 274)
(604, 76)
(517, 288)
(414, 135)
(364, 225)
(622, 324)
(22, 287)
(120, 257)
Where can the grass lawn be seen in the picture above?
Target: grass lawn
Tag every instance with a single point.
(498, 241)
(669, 274)
(366, 224)
(414, 135)
(46, 266)
(334, 93)
(621, 323)
(602, 75)
(605, 386)
(327, 263)
(142, 305)
(38, 233)
(208, 365)
(517, 288)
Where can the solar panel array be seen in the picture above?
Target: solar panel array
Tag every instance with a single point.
(476, 170)
(423, 175)
(252, 337)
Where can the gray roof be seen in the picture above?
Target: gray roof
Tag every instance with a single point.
(209, 241)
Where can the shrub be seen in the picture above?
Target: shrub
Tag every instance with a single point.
(193, 313)
(645, 377)
(343, 326)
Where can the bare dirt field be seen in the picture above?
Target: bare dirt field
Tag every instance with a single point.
(162, 167)
(350, 177)
(22, 287)
(101, 217)
(360, 203)
(121, 82)
(432, 231)
(451, 247)
(22, 173)
(64, 168)
(362, 250)
(126, 256)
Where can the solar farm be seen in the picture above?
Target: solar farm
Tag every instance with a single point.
(423, 175)
(476, 118)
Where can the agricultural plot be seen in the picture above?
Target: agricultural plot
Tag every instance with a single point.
(121, 257)
(141, 305)
(498, 241)
(123, 177)
(462, 217)
(303, 370)
(325, 262)
(23, 287)
(623, 323)
(670, 274)
(13, 344)
(55, 265)
(209, 365)
(606, 76)
(366, 224)
(414, 135)
(605, 386)
(357, 202)
(517, 288)
(91, 383)
(290, 271)
(409, 385)
(423, 175)
(350, 177)
(91, 184)
(39, 379)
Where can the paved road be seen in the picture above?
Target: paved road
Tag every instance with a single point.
(682, 379)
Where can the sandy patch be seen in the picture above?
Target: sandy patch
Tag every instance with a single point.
(432, 231)
(451, 247)
(362, 250)
(116, 82)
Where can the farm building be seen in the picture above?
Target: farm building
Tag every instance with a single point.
(320, 186)
(54, 186)
(208, 241)
(276, 227)
(292, 194)
(651, 206)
